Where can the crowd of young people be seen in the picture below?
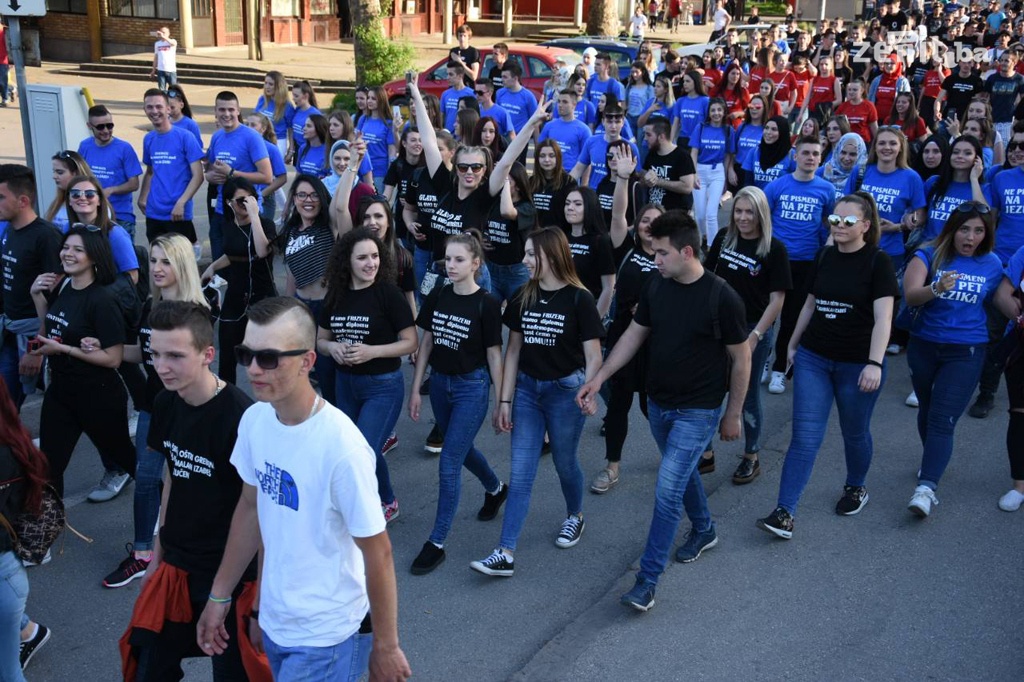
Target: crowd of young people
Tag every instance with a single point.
(870, 209)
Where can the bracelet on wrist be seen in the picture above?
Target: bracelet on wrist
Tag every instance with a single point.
(219, 600)
(756, 333)
(874, 363)
(934, 286)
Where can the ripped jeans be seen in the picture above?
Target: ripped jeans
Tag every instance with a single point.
(753, 414)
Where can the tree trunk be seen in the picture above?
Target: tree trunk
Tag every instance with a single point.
(603, 19)
(365, 14)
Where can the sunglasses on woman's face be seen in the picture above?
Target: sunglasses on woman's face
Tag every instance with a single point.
(265, 359)
(1014, 145)
(87, 193)
(848, 221)
(475, 167)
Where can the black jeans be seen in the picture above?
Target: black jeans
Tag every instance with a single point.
(622, 386)
(98, 409)
(229, 335)
(791, 307)
(992, 369)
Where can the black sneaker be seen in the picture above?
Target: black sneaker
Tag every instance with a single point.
(492, 503)
(571, 532)
(641, 597)
(778, 523)
(982, 406)
(706, 465)
(430, 557)
(853, 500)
(747, 471)
(30, 647)
(128, 570)
(498, 563)
(435, 441)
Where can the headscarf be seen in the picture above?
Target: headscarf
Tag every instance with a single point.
(771, 154)
(332, 180)
(835, 173)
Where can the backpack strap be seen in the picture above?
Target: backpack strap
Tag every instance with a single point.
(717, 286)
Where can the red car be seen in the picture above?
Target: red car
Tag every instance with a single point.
(537, 63)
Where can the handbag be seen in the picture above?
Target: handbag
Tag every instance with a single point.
(34, 534)
(907, 315)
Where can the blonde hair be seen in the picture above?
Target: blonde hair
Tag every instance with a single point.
(759, 202)
(182, 258)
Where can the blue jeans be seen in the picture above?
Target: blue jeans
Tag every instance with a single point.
(421, 260)
(216, 234)
(324, 365)
(506, 279)
(460, 405)
(14, 344)
(752, 411)
(149, 471)
(129, 227)
(541, 406)
(373, 402)
(344, 662)
(13, 595)
(944, 377)
(818, 381)
(681, 435)
(5, 90)
(166, 78)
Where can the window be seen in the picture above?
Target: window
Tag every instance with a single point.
(154, 9)
(322, 7)
(284, 8)
(67, 6)
(539, 69)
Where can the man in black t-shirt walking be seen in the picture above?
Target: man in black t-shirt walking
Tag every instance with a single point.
(696, 331)
(194, 426)
(29, 247)
(670, 173)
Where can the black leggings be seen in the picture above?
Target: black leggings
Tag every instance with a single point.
(229, 335)
(97, 408)
(1015, 430)
(791, 308)
(621, 388)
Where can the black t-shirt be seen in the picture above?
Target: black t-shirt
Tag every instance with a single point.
(454, 215)
(753, 277)
(845, 287)
(506, 238)
(12, 492)
(606, 195)
(470, 56)
(896, 22)
(592, 256)
(197, 442)
(399, 174)
(464, 327)
(153, 383)
(554, 329)
(550, 203)
(960, 91)
(24, 255)
(421, 195)
(374, 316)
(636, 266)
(495, 75)
(672, 166)
(249, 277)
(75, 314)
(687, 366)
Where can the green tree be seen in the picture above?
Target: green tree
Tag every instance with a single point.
(379, 59)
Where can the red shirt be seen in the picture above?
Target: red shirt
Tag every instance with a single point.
(913, 132)
(861, 116)
(933, 82)
(885, 95)
(802, 80)
(711, 78)
(784, 82)
(3, 45)
(823, 91)
(736, 103)
(757, 74)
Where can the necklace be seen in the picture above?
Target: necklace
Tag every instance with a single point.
(545, 301)
(312, 411)
(218, 386)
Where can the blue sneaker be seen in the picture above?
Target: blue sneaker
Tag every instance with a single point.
(696, 543)
(641, 597)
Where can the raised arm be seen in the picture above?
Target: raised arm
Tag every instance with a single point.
(431, 153)
(499, 176)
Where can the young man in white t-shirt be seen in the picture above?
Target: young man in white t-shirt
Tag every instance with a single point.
(721, 19)
(165, 62)
(310, 494)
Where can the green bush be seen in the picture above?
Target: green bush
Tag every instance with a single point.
(380, 59)
(344, 100)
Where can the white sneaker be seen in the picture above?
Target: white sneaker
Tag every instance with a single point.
(893, 349)
(923, 501)
(778, 383)
(766, 373)
(1011, 501)
(911, 400)
(109, 487)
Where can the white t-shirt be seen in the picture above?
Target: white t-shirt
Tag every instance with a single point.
(166, 56)
(721, 17)
(639, 24)
(316, 488)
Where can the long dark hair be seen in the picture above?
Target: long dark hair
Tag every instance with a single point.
(103, 212)
(518, 175)
(559, 177)
(97, 248)
(944, 247)
(392, 249)
(946, 169)
(593, 214)
(553, 242)
(339, 266)
(15, 436)
(292, 219)
(497, 146)
(179, 93)
(230, 187)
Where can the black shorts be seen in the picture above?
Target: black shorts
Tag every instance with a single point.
(155, 228)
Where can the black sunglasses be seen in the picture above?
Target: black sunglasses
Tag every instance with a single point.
(475, 167)
(1014, 145)
(265, 359)
(79, 193)
(174, 94)
(64, 155)
(83, 226)
(103, 126)
(974, 207)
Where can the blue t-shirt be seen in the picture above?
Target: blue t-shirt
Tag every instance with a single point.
(958, 315)
(690, 111)
(379, 135)
(124, 250)
(170, 156)
(1014, 270)
(747, 137)
(663, 110)
(450, 105)
(896, 193)
(637, 99)
(595, 155)
(585, 112)
(596, 88)
(240, 149)
(113, 164)
(277, 165)
(519, 105)
(762, 176)
(501, 116)
(571, 137)
(191, 126)
(1008, 198)
(270, 108)
(311, 160)
(711, 143)
(940, 208)
(299, 122)
(798, 213)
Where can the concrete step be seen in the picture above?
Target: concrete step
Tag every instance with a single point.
(194, 74)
